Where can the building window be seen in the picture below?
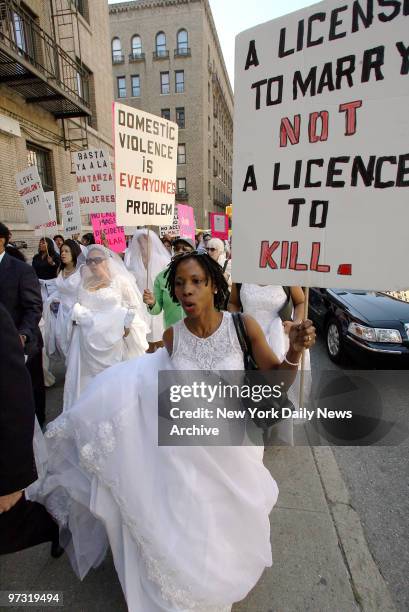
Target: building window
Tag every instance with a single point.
(37, 156)
(136, 46)
(181, 185)
(181, 153)
(86, 90)
(81, 6)
(165, 113)
(136, 85)
(180, 117)
(160, 45)
(209, 159)
(179, 81)
(208, 125)
(209, 188)
(117, 55)
(182, 42)
(121, 83)
(164, 83)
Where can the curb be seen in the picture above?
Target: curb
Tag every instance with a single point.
(369, 587)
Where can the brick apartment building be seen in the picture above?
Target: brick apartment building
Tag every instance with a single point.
(167, 60)
(55, 63)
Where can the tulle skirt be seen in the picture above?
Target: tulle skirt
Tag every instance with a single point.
(188, 526)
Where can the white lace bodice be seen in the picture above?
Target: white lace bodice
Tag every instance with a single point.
(220, 351)
(119, 293)
(67, 288)
(101, 300)
(262, 303)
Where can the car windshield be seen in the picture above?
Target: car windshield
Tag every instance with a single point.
(403, 295)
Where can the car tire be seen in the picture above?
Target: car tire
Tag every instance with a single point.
(334, 341)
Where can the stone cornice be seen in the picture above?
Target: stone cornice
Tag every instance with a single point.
(134, 5)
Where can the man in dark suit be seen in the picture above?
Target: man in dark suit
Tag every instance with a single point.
(21, 295)
(22, 523)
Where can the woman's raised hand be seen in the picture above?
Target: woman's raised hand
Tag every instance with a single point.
(148, 298)
(302, 335)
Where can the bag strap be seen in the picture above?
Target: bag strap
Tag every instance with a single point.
(287, 291)
(238, 288)
(242, 335)
(225, 265)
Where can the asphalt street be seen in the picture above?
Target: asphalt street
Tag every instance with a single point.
(378, 480)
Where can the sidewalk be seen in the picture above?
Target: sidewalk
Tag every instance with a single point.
(321, 562)
(321, 559)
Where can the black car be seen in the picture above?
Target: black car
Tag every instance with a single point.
(369, 324)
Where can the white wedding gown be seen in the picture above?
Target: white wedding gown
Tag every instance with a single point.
(97, 340)
(58, 327)
(264, 303)
(188, 526)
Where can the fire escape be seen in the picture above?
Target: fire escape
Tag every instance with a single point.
(47, 70)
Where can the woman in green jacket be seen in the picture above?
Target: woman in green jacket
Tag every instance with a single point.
(160, 300)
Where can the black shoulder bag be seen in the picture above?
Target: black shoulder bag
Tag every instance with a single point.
(270, 404)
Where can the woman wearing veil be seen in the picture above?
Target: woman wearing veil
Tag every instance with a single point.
(146, 261)
(109, 321)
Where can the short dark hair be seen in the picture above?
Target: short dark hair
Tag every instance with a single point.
(4, 233)
(89, 238)
(75, 251)
(16, 253)
(58, 236)
(212, 270)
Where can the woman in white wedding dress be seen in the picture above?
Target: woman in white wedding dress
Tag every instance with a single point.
(147, 257)
(109, 321)
(58, 308)
(265, 303)
(188, 526)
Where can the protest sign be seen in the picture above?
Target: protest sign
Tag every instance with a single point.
(49, 228)
(321, 148)
(187, 225)
(105, 223)
(95, 181)
(171, 230)
(145, 167)
(219, 225)
(71, 216)
(32, 196)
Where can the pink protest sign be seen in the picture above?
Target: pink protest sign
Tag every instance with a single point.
(219, 225)
(106, 223)
(187, 224)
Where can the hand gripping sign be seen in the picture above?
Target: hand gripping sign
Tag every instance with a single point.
(321, 151)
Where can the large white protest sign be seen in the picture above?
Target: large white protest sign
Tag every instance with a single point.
(71, 215)
(321, 148)
(145, 167)
(49, 228)
(95, 181)
(32, 196)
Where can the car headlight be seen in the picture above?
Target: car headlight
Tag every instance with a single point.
(388, 335)
(374, 334)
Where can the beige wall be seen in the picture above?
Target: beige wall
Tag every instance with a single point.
(40, 127)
